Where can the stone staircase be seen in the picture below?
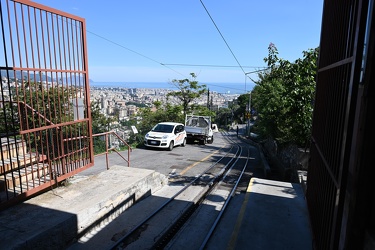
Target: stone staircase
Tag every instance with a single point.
(20, 170)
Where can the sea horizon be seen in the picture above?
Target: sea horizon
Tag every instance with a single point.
(228, 88)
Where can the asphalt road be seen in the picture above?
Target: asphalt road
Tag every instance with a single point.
(163, 161)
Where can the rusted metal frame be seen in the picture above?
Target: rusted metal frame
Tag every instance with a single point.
(327, 165)
(84, 57)
(76, 138)
(60, 62)
(71, 154)
(343, 139)
(7, 72)
(38, 133)
(63, 23)
(41, 70)
(63, 160)
(18, 169)
(77, 59)
(38, 55)
(48, 9)
(55, 90)
(350, 135)
(106, 150)
(69, 30)
(35, 135)
(336, 64)
(360, 163)
(109, 149)
(13, 56)
(54, 68)
(50, 126)
(74, 51)
(129, 148)
(46, 70)
(42, 48)
(58, 89)
(33, 65)
(50, 131)
(82, 84)
(34, 111)
(333, 166)
(61, 87)
(324, 161)
(10, 35)
(356, 40)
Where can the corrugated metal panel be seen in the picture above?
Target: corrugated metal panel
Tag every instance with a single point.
(339, 69)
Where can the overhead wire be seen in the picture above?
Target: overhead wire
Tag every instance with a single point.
(195, 65)
(217, 28)
(166, 65)
(210, 65)
(135, 52)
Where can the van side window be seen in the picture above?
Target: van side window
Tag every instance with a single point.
(177, 130)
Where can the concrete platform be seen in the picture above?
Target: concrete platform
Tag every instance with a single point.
(53, 219)
(274, 215)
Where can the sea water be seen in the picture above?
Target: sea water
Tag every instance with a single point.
(229, 88)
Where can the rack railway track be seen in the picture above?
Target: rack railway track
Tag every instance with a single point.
(169, 224)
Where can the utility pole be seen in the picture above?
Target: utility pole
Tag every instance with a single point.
(208, 99)
(249, 114)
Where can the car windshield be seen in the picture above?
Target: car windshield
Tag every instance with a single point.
(164, 128)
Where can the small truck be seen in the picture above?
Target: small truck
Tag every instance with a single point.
(198, 128)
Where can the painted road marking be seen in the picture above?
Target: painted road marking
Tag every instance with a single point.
(233, 239)
(196, 163)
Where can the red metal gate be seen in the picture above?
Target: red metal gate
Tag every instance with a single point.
(45, 125)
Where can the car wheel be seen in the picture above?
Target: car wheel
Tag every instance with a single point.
(170, 148)
(183, 143)
(212, 140)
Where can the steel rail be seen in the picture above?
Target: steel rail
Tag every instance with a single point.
(214, 225)
(214, 185)
(134, 229)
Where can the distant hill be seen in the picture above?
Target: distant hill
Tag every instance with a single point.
(34, 78)
(18, 75)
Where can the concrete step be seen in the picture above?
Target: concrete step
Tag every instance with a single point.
(11, 147)
(27, 177)
(83, 206)
(13, 163)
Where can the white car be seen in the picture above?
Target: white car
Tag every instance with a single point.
(166, 135)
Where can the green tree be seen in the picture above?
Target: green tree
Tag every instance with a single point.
(100, 124)
(284, 96)
(202, 110)
(188, 90)
(223, 117)
(242, 108)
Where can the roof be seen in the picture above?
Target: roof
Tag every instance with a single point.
(171, 123)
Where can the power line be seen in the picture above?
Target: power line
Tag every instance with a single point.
(222, 37)
(135, 52)
(210, 65)
(224, 87)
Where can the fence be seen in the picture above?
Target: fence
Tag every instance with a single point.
(45, 125)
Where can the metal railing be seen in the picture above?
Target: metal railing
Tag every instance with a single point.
(108, 149)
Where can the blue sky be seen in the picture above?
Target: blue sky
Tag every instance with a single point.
(129, 40)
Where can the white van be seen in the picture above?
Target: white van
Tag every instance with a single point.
(166, 135)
